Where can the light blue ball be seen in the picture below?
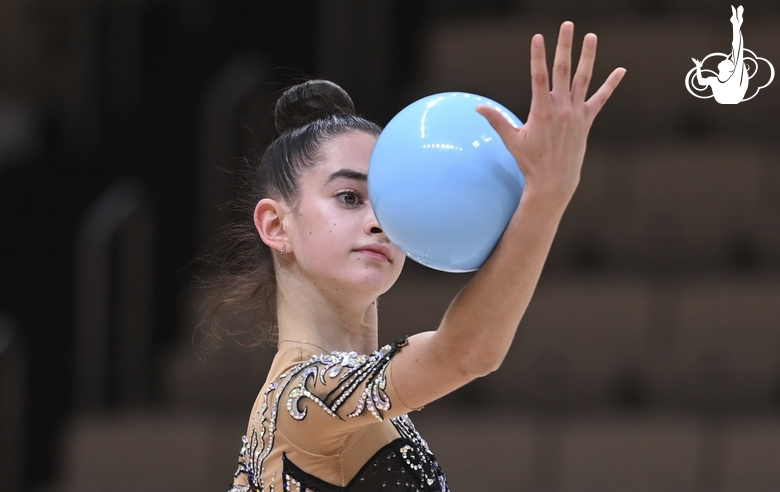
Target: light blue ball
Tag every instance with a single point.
(442, 184)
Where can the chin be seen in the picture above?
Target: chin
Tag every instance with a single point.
(374, 282)
(374, 287)
(360, 279)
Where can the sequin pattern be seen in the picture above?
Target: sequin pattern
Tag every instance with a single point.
(419, 456)
(352, 371)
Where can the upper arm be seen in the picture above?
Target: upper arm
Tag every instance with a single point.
(330, 396)
(429, 368)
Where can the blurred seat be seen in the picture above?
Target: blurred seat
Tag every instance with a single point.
(672, 206)
(767, 232)
(768, 236)
(487, 56)
(482, 450)
(150, 452)
(579, 343)
(629, 454)
(683, 206)
(576, 241)
(417, 302)
(688, 8)
(755, 11)
(572, 7)
(492, 56)
(229, 378)
(725, 350)
(751, 451)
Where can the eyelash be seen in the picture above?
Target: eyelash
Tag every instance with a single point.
(351, 192)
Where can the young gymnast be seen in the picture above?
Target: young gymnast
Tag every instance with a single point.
(332, 414)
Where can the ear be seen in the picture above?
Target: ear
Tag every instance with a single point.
(269, 222)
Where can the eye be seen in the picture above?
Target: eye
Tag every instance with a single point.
(351, 198)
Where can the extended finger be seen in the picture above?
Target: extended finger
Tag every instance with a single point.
(562, 63)
(597, 100)
(540, 82)
(584, 73)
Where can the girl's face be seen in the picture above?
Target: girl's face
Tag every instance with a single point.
(335, 221)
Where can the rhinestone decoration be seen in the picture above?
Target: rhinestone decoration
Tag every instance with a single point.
(352, 370)
(405, 464)
(419, 456)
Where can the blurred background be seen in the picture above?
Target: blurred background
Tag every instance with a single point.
(649, 358)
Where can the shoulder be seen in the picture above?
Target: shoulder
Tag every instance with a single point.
(333, 380)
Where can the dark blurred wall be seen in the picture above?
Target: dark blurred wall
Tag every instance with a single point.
(144, 124)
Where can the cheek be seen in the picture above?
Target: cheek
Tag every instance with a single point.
(324, 238)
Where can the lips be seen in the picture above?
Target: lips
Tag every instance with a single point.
(378, 249)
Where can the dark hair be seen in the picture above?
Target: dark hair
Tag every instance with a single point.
(241, 290)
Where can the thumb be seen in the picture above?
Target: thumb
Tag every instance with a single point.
(498, 121)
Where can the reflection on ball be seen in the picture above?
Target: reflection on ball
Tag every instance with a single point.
(442, 184)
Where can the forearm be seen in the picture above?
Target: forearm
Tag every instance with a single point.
(480, 323)
(484, 316)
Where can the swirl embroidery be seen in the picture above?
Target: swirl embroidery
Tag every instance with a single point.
(352, 370)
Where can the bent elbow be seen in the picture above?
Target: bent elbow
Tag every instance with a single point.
(481, 366)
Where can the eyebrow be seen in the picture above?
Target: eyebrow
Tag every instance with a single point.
(347, 174)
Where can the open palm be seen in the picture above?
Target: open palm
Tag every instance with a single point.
(550, 147)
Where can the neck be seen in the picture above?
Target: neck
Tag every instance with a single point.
(342, 323)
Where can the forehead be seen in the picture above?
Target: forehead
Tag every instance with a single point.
(338, 156)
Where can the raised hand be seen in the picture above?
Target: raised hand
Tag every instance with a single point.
(550, 147)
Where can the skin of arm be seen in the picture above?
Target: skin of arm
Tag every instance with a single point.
(480, 323)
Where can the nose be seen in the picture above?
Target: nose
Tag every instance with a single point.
(372, 224)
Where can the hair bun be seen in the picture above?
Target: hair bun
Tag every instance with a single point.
(309, 101)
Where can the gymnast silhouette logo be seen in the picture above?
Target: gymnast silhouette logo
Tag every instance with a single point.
(730, 84)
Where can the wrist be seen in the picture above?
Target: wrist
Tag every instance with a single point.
(560, 196)
(545, 201)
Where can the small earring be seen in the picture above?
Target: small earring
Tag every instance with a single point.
(281, 251)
